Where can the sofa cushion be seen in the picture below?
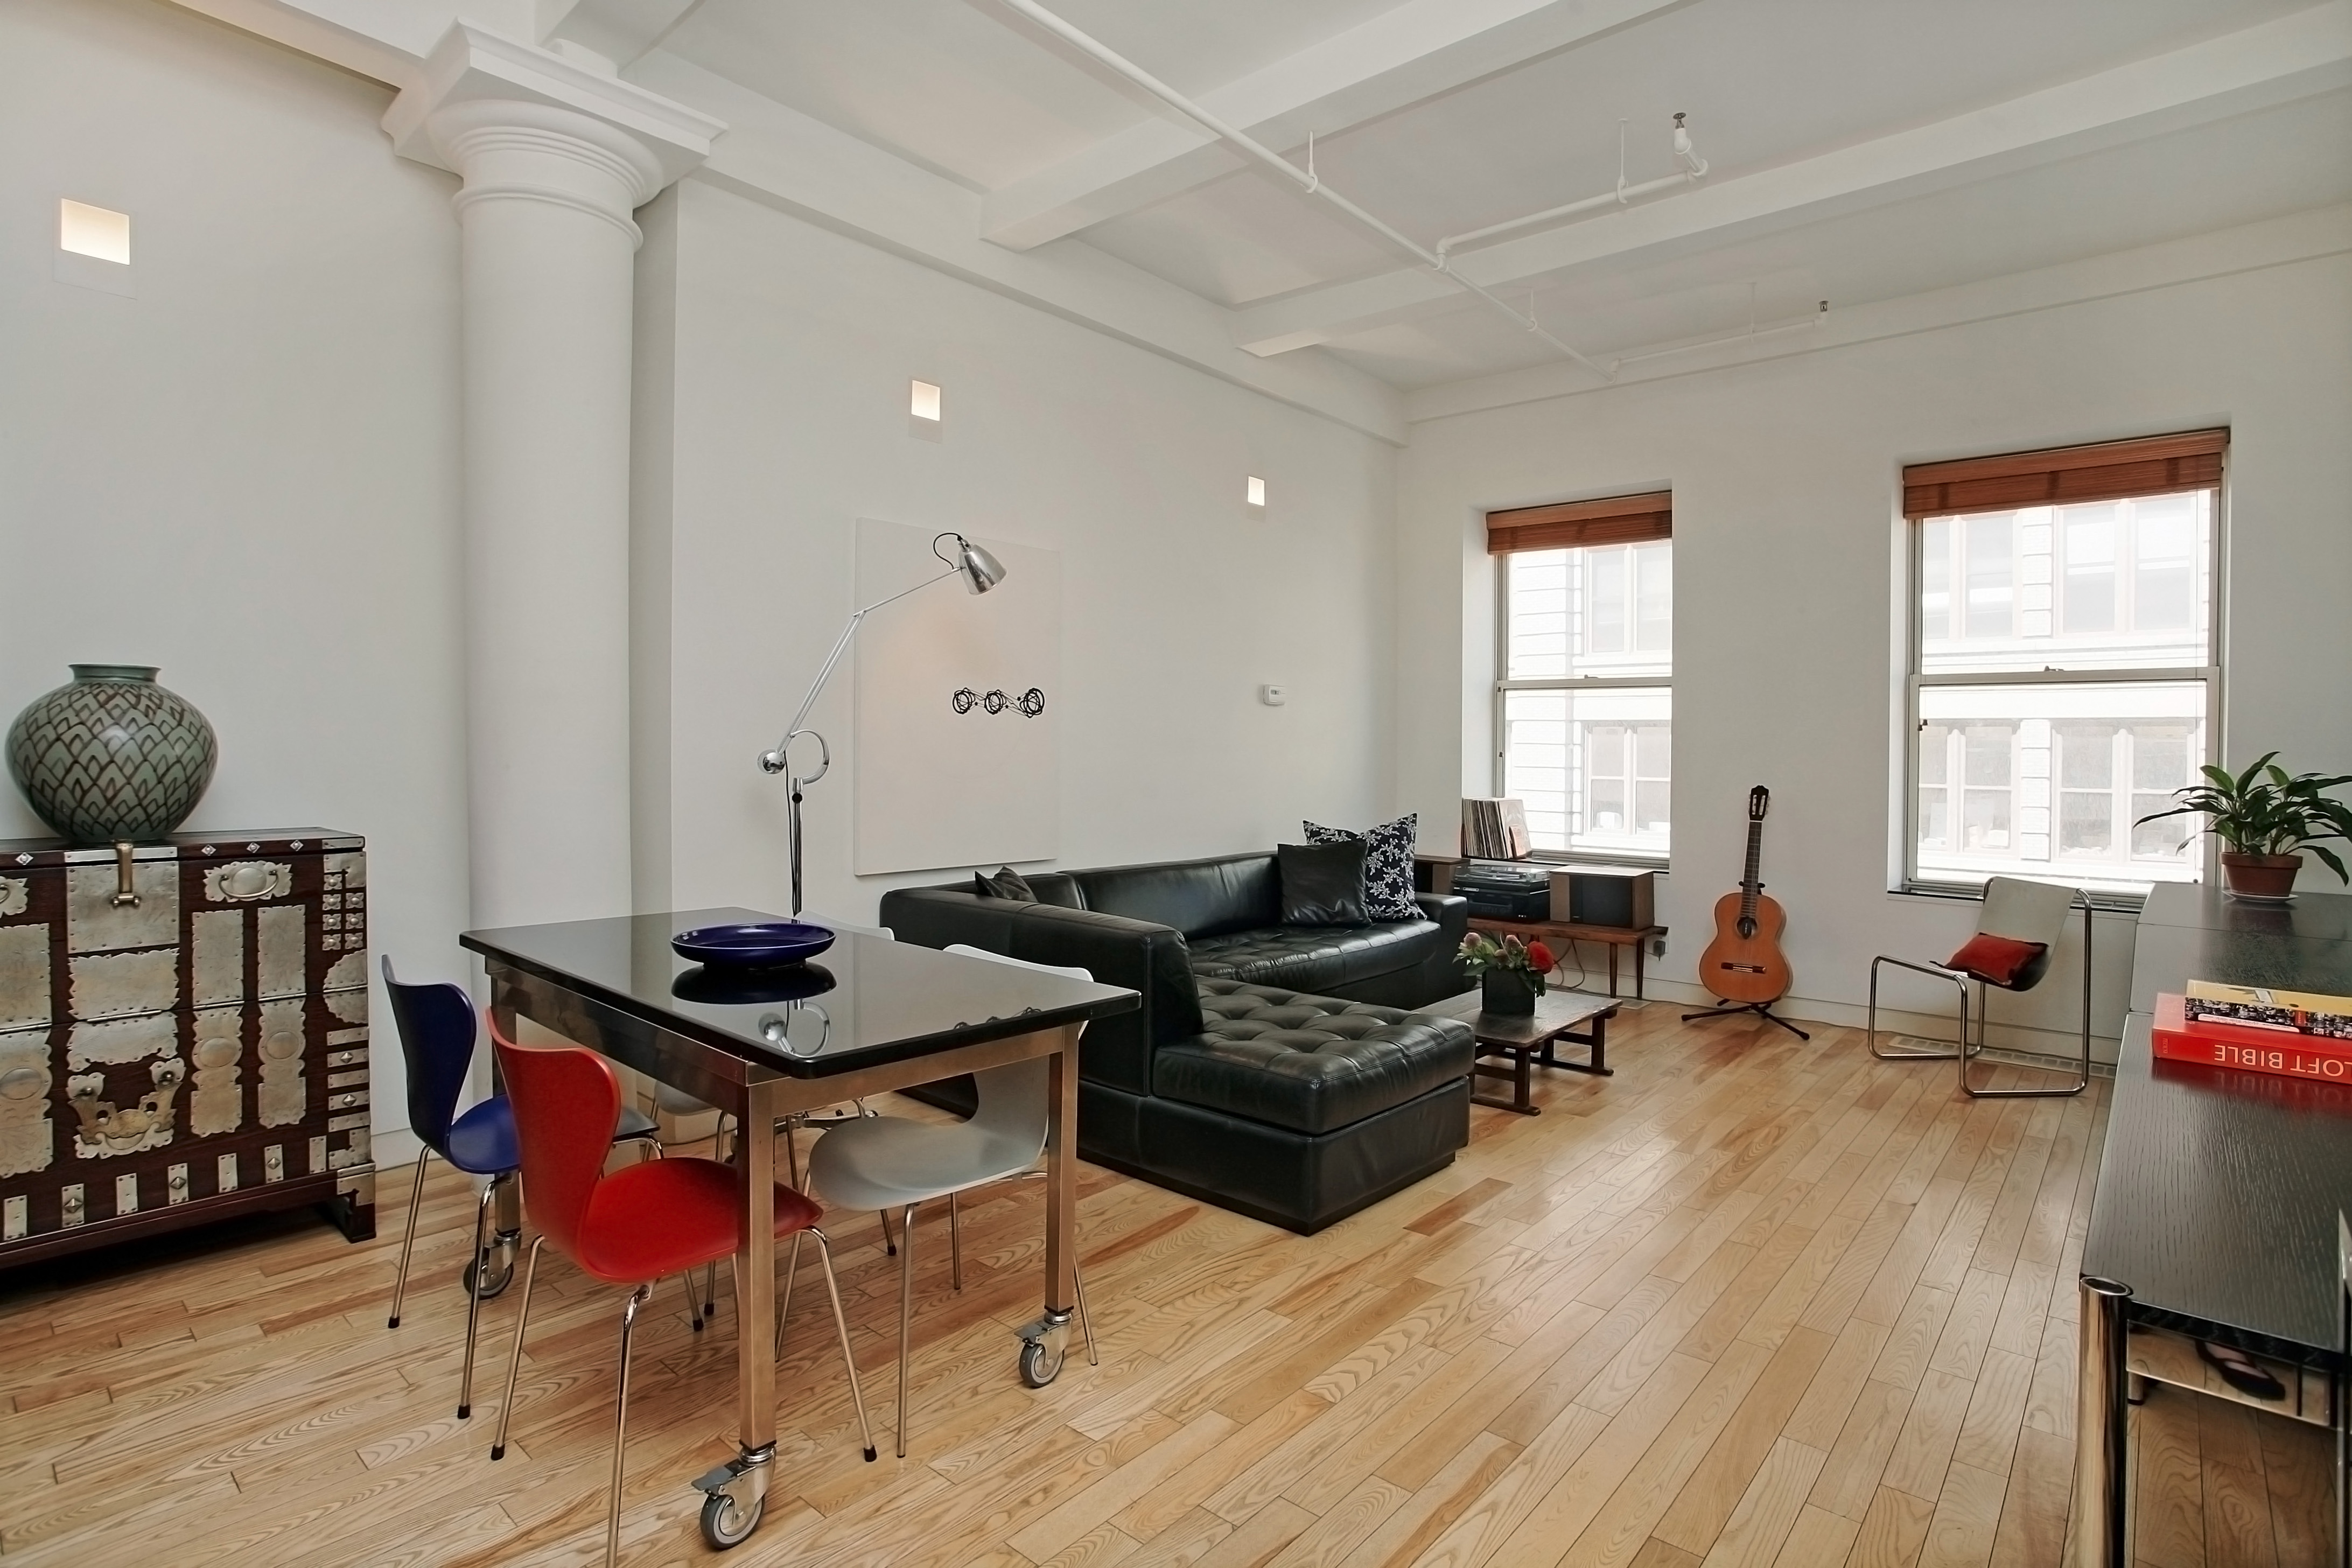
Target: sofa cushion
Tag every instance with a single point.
(1198, 897)
(1309, 1063)
(1313, 959)
(1322, 884)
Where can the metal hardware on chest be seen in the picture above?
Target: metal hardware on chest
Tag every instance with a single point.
(159, 1002)
(247, 881)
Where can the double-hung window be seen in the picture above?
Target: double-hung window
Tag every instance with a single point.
(2064, 676)
(1584, 698)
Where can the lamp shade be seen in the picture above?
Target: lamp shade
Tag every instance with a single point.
(979, 569)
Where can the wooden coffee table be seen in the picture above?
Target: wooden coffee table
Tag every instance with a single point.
(1530, 1042)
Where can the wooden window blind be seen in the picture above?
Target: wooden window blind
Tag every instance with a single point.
(2107, 472)
(1615, 519)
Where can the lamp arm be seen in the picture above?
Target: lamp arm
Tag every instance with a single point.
(774, 761)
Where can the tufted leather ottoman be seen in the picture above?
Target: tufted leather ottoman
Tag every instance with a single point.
(1313, 1064)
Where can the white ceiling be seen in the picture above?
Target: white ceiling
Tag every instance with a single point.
(969, 91)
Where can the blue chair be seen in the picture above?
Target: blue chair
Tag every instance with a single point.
(436, 1023)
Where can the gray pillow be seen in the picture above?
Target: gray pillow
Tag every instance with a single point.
(1388, 865)
(1007, 884)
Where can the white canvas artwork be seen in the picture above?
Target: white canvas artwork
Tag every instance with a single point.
(958, 757)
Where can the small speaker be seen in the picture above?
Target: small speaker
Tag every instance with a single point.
(1621, 897)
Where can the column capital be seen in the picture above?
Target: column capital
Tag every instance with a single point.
(477, 84)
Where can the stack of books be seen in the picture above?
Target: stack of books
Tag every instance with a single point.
(2294, 1034)
(1495, 830)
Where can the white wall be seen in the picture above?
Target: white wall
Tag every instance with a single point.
(1784, 474)
(791, 351)
(247, 473)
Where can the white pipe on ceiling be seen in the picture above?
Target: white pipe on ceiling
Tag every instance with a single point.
(1693, 170)
(1306, 179)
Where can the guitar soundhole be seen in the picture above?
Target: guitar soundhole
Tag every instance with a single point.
(1747, 927)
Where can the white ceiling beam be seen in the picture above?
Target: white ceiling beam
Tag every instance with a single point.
(619, 32)
(385, 39)
(1416, 51)
(2295, 56)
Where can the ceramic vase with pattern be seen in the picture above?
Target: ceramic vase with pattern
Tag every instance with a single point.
(113, 756)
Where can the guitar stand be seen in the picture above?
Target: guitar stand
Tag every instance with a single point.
(1761, 1009)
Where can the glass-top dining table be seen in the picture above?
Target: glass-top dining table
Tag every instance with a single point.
(867, 1015)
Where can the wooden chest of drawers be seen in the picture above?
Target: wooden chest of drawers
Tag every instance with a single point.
(184, 1035)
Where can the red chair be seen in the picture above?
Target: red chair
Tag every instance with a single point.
(631, 1227)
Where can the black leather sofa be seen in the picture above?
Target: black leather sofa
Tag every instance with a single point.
(1271, 1070)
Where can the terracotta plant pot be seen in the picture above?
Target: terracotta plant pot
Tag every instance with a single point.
(1509, 992)
(2260, 879)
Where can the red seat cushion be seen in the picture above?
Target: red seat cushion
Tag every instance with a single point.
(1995, 960)
(664, 1217)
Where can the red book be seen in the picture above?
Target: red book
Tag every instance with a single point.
(2180, 1038)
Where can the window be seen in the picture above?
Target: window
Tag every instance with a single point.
(2062, 678)
(1585, 701)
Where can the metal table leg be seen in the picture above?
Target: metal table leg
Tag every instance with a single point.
(1043, 1343)
(2102, 1427)
(739, 1489)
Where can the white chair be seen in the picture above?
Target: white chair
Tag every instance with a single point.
(2015, 910)
(884, 1163)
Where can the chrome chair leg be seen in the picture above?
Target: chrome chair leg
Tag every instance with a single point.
(2083, 1068)
(693, 1299)
(1870, 1036)
(841, 1327)
(710, 1291)
(955, 1246)
(474, 1296)
(408, 1242)
(785, 1300)
(889, 1246)
(514, 1363)
(1078, 1284)
(637, 1298)
(906, 1313)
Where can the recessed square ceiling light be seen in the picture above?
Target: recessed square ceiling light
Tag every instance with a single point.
(1257, 491)
(923, 411)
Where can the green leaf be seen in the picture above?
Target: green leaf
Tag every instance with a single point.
(2327, 858)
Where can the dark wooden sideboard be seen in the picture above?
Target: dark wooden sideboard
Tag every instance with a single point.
(184, 1035)
(2215, 1216)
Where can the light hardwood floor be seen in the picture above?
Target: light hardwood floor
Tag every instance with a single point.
(1751, 1301)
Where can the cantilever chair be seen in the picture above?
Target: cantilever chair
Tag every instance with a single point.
(883, 1162)
(651, 1219)
(435, 1024)
(2017, 930)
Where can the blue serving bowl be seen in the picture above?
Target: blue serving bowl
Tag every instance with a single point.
(763, 944)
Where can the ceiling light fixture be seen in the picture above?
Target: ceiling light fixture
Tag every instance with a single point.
(1256, 492)
(923, 411)
(101, 232)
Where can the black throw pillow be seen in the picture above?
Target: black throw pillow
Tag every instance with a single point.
(1007, 884)
(1322, 884)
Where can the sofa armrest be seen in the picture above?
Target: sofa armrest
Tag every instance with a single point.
(1441, 974)
(1150, 960)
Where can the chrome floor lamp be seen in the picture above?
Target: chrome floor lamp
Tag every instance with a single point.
(979, 571)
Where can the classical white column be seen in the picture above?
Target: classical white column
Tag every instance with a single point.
(554, 159)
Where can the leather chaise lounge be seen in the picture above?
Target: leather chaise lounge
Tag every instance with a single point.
(1271, 1070)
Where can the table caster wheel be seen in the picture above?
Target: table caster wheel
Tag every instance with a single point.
(724, 1524)
(1041, 1362)
(493, 1280)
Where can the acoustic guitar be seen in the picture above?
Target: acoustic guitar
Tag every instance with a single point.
(1744, 963)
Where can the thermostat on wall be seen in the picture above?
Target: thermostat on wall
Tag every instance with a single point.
(1274, 696)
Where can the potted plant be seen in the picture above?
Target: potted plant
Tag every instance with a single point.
(2265, 816)
(1510, 971)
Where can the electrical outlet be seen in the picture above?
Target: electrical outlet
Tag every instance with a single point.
(1274, 696)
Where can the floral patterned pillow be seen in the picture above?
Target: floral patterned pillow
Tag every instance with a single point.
(1387, 866)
